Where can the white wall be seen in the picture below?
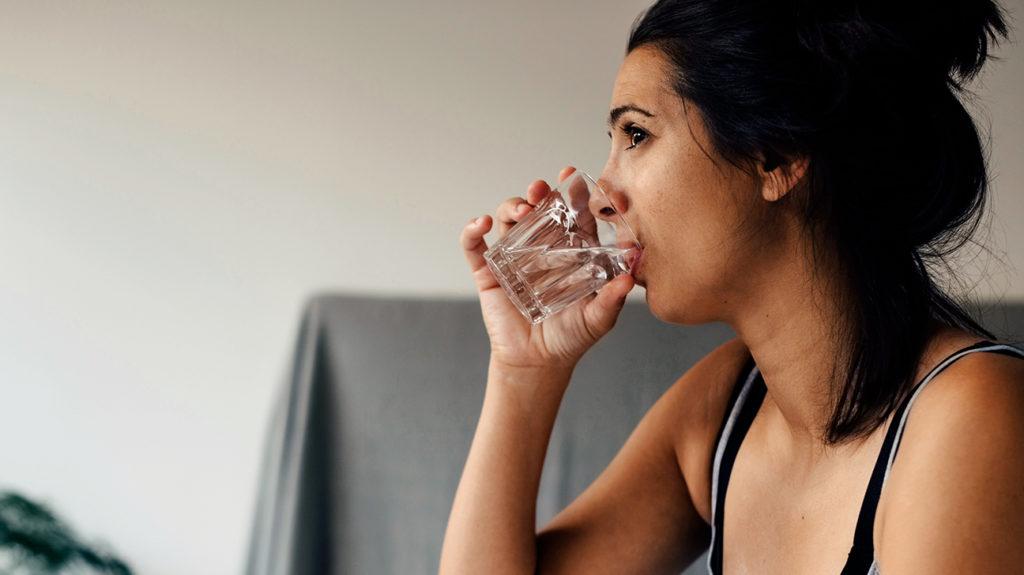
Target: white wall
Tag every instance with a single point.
(176, 177)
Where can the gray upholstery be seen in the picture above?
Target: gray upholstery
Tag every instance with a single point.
(374, 421)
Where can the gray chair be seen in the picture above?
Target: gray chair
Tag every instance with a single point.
(373, 425)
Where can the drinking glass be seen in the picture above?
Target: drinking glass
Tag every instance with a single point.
(572, 243)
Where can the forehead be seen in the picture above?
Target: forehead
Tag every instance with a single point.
(643, 80)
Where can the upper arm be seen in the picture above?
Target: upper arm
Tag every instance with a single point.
(639, 516)
(955, 495)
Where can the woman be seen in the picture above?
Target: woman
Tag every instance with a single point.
(798, 170)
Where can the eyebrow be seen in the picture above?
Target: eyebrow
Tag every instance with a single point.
(614, 115)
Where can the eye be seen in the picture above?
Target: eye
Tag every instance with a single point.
(636, 135)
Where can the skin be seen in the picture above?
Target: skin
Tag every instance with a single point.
(726, 243)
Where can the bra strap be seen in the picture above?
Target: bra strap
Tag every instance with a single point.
(862, 554)
(747, 396)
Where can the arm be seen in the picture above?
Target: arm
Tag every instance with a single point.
(954, 502)
(638, 516)
(641, 514)
(492, 524)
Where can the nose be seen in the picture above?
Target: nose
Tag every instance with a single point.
(612, 206)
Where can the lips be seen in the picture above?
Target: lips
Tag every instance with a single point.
(635, 267)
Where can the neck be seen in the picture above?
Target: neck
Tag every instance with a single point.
(786, 319)
(789, 317)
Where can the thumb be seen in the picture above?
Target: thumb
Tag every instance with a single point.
(602, 311)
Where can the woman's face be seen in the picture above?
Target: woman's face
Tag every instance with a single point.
(696, 217)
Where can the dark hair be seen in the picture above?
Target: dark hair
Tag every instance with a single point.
(870, 93)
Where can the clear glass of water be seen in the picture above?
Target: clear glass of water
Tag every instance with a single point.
(572, 243)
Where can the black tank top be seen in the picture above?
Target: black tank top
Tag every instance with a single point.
(744, 402)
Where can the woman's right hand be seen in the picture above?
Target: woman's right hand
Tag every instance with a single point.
(561, 340)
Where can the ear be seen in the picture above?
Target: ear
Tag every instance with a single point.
(779, 175)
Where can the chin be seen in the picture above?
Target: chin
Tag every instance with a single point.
(678, 308)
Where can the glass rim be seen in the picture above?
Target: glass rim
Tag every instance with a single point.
(604, 195)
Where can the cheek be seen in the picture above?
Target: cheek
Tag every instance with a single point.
(693, 207)
(690, 273)
(698, 238)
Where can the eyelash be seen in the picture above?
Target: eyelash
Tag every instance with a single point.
(631, 130)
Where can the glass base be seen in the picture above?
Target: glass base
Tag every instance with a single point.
(517, 290)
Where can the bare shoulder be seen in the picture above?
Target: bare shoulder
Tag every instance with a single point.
(957, 473)
(979, 389)
(700, 397)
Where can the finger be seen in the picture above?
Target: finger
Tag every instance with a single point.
(510, 213)
(565, 173)
(602, 312)
(578, 193)
(537, 191)
(474, 246)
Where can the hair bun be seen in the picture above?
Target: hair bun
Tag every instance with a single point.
(959, 34)
(949, 38)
